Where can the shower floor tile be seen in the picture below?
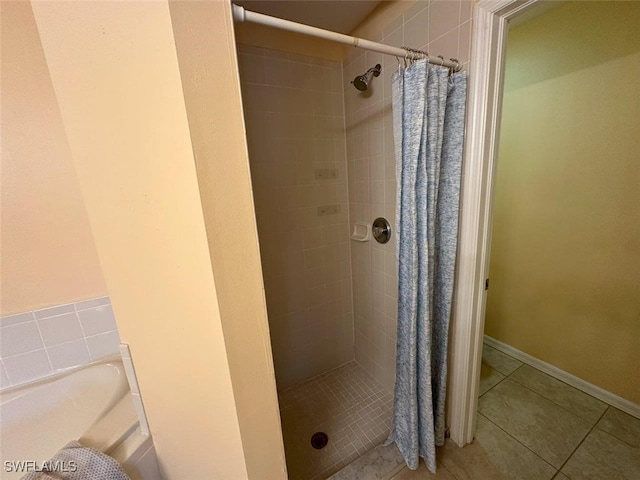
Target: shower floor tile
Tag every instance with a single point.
(348, 405)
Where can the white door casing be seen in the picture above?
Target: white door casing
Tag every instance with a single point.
(486, 74)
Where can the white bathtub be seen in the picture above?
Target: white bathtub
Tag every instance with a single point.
(90, 403)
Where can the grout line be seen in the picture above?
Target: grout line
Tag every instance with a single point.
(583, 439)
(84, 338)
(6, 373)
(544, 396)
(440, 465)
(593, 426)
(493, 386)
(561, 406)
(515, 370)
(4, 357)
(613, 434)
(569, 379)
(514, 438)
(44, 346)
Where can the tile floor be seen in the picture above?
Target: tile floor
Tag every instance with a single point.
(533, 426)
(530, 426)
(348, 405)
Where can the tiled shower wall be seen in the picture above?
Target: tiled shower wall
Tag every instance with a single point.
(38, 343)
(441, 28)
(297, 149)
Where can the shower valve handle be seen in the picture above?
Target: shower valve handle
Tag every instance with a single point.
(381, 230)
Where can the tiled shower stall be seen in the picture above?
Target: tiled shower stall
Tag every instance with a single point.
(295, 130)
(322, 158)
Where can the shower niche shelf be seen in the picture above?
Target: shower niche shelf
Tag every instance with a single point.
(361, 232)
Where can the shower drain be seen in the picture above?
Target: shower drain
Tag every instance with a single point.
(319, 440)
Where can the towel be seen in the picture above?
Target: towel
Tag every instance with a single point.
(77, 462)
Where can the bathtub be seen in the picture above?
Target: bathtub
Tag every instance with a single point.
(89, 403)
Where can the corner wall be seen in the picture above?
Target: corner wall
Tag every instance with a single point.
(117, 80)
(565, 254)
(206, 50)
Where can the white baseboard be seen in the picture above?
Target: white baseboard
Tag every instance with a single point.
(589, 388)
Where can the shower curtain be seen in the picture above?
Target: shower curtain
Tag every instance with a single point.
(428, 115)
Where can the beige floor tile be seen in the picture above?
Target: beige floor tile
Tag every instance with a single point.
(561, 476)
(621, 425)
(499, 361)
(547, 429)
(602, 456)
(381, 463)
(421, 473)
(493, 455)
(489, 377)
(577, 402)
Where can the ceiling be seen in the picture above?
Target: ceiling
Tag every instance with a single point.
(336, 15)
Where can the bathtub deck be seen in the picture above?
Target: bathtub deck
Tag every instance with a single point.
(348, 405)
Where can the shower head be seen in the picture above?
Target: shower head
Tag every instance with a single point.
(361, 82)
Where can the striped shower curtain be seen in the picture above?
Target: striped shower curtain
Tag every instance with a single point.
(428, 115)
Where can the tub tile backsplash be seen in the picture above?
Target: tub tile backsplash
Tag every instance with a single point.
(97, 320)
(21, 338)
(103, 344)
(27, 366)
(4, 378)
(39, 343)
(55, 311)
(68, 354)
(60, 329)
(16, 319)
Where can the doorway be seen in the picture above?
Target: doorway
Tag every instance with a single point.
(565, 264)
(491, 21)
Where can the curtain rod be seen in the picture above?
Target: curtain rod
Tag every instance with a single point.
(240, 14)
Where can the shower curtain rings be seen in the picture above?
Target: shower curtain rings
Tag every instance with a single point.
(416, 54)
(455, 68)
(409, 56)
(413, 54)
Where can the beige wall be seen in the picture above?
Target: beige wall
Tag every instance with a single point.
(442, 28)
(214, 107)
(295, 127)
(117, 80)
(47, 252)
(565, 265)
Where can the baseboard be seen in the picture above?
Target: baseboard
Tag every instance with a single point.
(589, 388)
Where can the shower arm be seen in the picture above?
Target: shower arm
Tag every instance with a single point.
(240, 14)
(375, 70)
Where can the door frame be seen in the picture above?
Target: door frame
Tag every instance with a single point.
(490, 28)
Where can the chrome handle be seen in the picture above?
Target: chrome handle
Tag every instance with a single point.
(381, 230)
